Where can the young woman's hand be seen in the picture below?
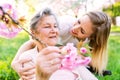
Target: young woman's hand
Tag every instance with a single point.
(25, 73)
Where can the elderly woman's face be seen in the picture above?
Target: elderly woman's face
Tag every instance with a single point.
(82, 28)
(47, 30)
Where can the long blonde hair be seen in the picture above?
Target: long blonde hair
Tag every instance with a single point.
(98, 40)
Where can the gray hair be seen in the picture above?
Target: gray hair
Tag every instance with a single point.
(39, 15)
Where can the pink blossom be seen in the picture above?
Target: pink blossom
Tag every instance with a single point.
(85, 61)
(8, 30)
(71, 60)
(9, 9)
(6, 33)
(83, 50)
(68, 63)
(68, 48)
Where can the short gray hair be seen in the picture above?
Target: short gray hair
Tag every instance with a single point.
(39, 15)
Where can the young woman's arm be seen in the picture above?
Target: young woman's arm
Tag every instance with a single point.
(16, 63)
(24, 47)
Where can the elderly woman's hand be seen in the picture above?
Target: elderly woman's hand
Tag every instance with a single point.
(48, 61)
(25, 73)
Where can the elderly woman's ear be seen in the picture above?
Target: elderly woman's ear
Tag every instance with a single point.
(33, 32)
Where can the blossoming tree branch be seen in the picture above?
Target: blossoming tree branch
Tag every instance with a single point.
(11, 23)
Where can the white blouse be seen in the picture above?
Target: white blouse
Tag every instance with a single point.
(65, 24)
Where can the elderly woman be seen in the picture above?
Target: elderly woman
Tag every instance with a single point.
(44, 28)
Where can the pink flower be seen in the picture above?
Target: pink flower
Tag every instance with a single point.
(71, 60)
(85, 61)
(83, 50)
(68, 48)
(10, 10)
(68, 62)
(6, 33)
(7, 28)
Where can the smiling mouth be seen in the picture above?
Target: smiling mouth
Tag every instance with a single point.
(53, 37)
(72, 31)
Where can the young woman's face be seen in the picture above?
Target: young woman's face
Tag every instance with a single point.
(82, 28)
(47, 30)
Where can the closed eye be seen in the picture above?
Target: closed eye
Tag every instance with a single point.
(55, 26)
(82, 31)
(47, 27)
(79, 22)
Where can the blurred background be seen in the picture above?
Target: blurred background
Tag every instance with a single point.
(76, 8)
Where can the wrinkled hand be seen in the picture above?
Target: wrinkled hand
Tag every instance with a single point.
(26, 73)
(48, 61)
